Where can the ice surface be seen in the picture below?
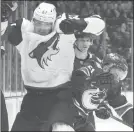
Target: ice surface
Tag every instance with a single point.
(13, 106)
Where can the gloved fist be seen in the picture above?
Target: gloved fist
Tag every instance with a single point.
(102, 112)
(69, 26)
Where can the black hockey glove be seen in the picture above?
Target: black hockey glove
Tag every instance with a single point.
(69, 26)
(102, 112)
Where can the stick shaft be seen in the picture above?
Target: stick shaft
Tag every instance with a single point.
(119, 120)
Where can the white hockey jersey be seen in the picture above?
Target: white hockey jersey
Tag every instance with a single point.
(58, 63)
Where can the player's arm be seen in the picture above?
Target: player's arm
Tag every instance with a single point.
(86, 25)
(80, 76)
(14, 32)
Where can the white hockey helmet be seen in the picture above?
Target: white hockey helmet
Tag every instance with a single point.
(95, 25)
(45, 12)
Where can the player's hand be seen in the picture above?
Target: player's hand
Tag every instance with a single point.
(102, 111)
(69, 26)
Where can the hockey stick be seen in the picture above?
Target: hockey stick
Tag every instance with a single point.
(116, 118)
(119, 120)
(111, 113)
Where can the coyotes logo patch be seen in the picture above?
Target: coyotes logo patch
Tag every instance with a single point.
(43, 52)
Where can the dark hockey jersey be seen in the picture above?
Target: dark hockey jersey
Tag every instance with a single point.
(94, 66)
(120, 104)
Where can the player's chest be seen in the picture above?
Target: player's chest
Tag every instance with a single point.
(57, 52)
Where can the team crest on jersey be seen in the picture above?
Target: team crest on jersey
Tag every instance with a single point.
(91, 98)
(43, 52)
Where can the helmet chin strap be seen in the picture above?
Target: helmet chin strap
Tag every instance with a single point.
(75, 46)
(79, 54)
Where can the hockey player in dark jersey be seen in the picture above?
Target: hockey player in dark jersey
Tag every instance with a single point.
(117, 66)
(94, 87)
(84, 58)
(47, 55)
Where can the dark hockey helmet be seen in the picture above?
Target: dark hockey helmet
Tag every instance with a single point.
(115, 64)
(7, 7)
(82, 35)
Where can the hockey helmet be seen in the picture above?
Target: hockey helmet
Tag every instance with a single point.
(95, 25)
(115, 64)
(45, 12)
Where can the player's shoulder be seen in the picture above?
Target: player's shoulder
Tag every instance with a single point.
(93, 57)
(93, 60)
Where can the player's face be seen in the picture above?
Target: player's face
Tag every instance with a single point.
(42, 28)
(84, 43)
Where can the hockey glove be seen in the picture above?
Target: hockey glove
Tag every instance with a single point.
(102, 112)
(69, 26)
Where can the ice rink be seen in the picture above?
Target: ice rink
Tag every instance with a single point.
(13, 107)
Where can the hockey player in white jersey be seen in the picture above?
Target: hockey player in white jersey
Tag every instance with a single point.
(47, 56)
